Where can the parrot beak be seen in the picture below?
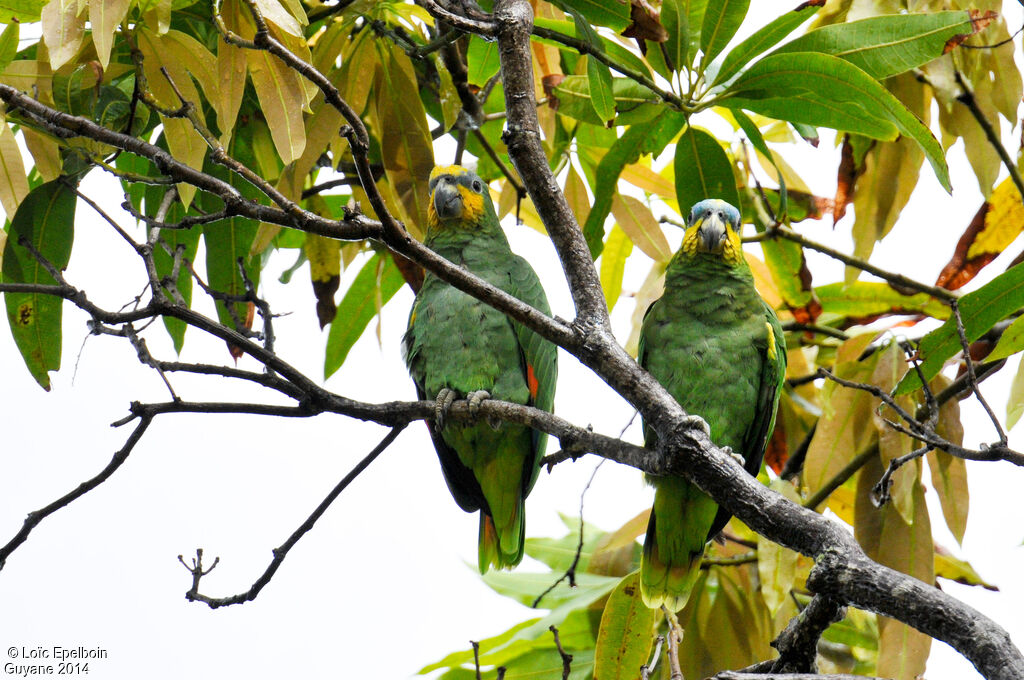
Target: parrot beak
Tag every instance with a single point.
(447, 200)
(712, 233)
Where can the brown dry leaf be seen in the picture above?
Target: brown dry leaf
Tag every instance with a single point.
(646, 23)
(979, 21)
(998, 223)
(845, 181)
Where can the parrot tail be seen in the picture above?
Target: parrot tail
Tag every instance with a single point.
(501, 549)
(668, 568)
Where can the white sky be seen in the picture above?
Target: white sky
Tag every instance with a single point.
(386, 582)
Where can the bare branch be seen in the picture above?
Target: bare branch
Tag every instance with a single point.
(193, 594)
(798, 643)
(37, 516)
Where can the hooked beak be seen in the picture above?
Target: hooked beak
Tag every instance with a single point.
(447, 200)
(712, 233)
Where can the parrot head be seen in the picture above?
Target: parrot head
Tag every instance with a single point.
(713, 227)
(458, 198)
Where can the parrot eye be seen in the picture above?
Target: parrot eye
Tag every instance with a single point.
(478, 186)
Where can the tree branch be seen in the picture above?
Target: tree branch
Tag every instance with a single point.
(197, 571)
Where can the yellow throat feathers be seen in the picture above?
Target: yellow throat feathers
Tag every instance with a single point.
(472, 203)
(732, 248)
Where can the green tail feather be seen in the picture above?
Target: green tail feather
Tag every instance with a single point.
(666, 580)
(501, 549)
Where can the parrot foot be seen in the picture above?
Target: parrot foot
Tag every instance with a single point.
(697, 421)
(735, 456)
(444, 400)
(475, 399)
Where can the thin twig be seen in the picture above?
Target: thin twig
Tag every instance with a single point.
(566, 658)
(193, 594)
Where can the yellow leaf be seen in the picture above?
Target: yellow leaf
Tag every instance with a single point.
(183, 141)
(949, 473)
(13, 183)
(358, 64)
(282, 98)
(776, 565)
(650, 290)
(763, 281)
(890, 175)
(844, 428)
(1004, 221)
(907, 547)
(841, 502)
(889, 370)
(45, 153)
(324, 256)
(1015, 402)
(105, 16)
(949, 567)
(625, 635)
(406, 147)
(576, 195)
(613, 554)
(451, 105)
(63, 29)
(643, 230)
(274, 12)
(613, 264)
(642, 177)
(28, 74)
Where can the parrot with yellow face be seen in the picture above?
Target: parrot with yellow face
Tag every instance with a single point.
(458, 347)
(719, 350)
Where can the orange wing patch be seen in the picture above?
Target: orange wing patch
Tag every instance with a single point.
(531, 382)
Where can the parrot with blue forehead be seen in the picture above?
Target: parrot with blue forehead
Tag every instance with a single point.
(719, 350)
(459, 347)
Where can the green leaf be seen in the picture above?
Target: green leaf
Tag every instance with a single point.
(45, 219)
(635, 142)
(601, 89)
(374, 285)
(613, 264)
(8, 45)
(20, 11)
(611, 13)
(481, 60)
(979, 310)
(610, 47)
(1011, 341)
(546, 664)
(1015, 402)
(763, 39)
(755, 137)
(785, 260)
(626, 633)
(634, 102)
(721, 20)
(703, 170)
(868, 298)
(820, 89)
(677, 47)
(885, 46)
(559, 553)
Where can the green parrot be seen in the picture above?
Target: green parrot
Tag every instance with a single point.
(457, 346)
(718, 348)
